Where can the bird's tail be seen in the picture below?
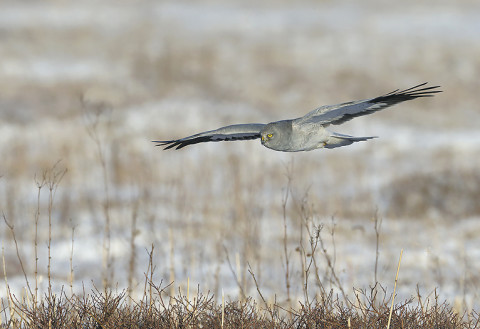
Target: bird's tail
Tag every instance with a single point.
(338, 140)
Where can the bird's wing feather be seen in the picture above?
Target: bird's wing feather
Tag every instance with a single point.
(340, 113)
(228, 133)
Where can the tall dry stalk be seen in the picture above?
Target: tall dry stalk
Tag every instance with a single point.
(71, 276)
(92, 127)
(172, 260)
(11, 305)
(40, 184)
(285, 241)
(223, 308)
(147, 297)
(150, 288)
(395, 289)
(377, 226)
(131, 262)
(54, 176)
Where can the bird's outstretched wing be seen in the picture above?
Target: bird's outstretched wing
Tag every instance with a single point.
(340, 113)
(228, 133)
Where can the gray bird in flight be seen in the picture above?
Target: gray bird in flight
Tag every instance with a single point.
(308, 132)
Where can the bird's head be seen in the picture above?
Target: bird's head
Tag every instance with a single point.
(277, 135)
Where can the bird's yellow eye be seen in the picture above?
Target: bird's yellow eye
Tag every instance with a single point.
(269, 135)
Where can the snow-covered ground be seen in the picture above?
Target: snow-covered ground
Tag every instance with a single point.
(79, 79)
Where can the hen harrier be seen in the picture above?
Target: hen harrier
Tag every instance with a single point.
(308, 132)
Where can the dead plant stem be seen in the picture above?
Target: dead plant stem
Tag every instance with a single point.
(54, 178)
(285, 241)
(71, 262)
(40, 185)
(394, 289)
(12, 230)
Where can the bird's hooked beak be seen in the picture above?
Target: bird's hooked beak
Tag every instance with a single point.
(263, 139)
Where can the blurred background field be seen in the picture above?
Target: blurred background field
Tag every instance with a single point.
(85, 86)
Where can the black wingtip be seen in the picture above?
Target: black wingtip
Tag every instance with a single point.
(165, 144)
(417, 91)
(180, 143)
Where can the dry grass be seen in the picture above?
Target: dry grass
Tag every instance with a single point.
(157, 308)
(108, 310)
(324, 303)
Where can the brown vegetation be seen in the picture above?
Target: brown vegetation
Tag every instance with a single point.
(90, 84)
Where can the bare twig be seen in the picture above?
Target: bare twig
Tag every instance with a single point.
(313, 246)
(269, 309)
(330, 265)
(314, 239)
(242, 293)
(12, 230)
